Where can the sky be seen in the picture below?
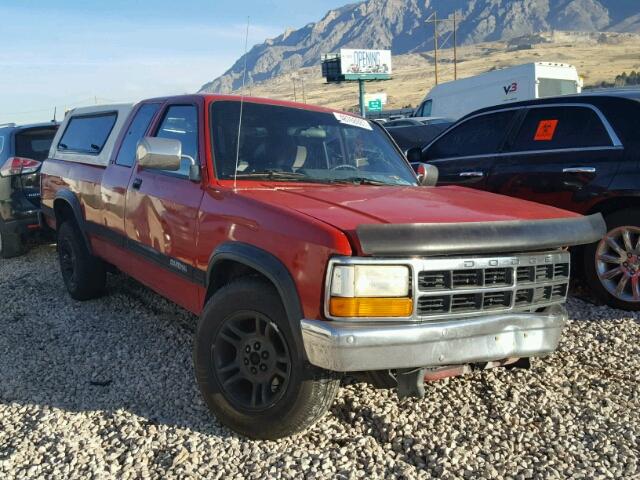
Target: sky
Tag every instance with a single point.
(68, 53)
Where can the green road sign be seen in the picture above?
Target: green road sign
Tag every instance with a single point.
(375, 105)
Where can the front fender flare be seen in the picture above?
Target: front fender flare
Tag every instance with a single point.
(274, 270)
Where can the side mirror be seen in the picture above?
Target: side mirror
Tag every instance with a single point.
(427, 174)
(159, 153)
(164, 154)
(414, 155)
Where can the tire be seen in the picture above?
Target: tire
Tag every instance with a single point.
(242, 331)
(83, 274)
(602, 260)
(11, 245)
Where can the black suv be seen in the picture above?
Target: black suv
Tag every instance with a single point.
(576, 152)
(22, 149)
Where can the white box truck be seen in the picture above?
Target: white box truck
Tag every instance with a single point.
(523, 82)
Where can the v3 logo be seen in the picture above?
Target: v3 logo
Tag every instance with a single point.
(513, 88)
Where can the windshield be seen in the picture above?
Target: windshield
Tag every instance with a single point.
(293, 144)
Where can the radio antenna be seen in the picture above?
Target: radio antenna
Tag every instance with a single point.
(244, 75)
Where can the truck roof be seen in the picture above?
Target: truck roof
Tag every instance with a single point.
(212, 97)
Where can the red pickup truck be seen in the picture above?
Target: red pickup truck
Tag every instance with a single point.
(306, 244)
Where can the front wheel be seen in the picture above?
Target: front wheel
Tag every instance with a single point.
(248, 368)
(612, 266)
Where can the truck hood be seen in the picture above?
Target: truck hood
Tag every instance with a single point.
(350, 207)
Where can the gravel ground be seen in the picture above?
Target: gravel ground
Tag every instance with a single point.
(106, 388)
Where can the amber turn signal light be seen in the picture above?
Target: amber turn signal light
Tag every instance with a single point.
(370, 307)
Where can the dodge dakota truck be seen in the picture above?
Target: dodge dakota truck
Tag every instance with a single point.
(308, 247)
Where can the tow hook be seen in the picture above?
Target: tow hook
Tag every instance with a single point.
(410, 383)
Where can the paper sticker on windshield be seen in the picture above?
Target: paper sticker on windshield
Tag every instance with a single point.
(546, 130)
(353, 121)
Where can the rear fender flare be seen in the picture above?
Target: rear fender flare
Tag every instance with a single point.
(69, 199)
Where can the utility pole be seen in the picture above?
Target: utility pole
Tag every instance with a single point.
(455, 48)
(363, 109)
(433, 18)
(295, 95)
(435, 43)
(304, 94)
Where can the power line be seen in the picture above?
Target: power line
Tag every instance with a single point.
(69, 104)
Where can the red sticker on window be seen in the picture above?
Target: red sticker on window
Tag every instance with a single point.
(546, 130)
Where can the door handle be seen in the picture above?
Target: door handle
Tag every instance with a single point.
(472, 174)
(137, 183)
(579, 170)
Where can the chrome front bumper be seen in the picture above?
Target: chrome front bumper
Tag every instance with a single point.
(361, 346)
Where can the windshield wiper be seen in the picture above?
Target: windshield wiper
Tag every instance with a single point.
(274, 175)
(360, 181)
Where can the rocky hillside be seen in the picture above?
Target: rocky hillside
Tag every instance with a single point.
(400, 26)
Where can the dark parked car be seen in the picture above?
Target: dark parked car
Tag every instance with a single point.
(414, 136)
(417, 121)
(22, 149)
(578, 152)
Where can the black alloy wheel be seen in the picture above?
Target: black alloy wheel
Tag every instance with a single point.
(251, 361)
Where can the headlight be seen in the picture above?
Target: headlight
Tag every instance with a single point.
(370, 291)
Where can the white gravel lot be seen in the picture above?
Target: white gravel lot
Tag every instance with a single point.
(105, 389)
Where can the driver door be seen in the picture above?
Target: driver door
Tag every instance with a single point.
(161, 213)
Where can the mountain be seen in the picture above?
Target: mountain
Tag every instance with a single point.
(400, 25)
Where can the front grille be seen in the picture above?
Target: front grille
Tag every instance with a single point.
(495, 277)
(434, 280)
(434, 305)
(465, 302)
(523, 282)
(496, 300)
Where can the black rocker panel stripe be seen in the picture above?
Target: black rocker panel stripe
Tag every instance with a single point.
(171, 264)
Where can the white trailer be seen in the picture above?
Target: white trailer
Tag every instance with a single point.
(523, 82)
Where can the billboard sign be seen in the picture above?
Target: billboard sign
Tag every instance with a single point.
(365, 64)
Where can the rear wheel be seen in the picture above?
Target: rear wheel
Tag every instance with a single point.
(247, 366)
(612, 266)
(83, 274)
(11, 244)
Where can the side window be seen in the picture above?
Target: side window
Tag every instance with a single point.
(481, 135)
(425, 109)
(181, 123)
(137, 128)
(561, 127)
(87, 133)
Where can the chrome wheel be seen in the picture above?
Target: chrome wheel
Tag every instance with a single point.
(618, 263)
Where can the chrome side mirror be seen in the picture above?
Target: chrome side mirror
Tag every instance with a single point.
(427, 174)
(165, 154)
(159, 153)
